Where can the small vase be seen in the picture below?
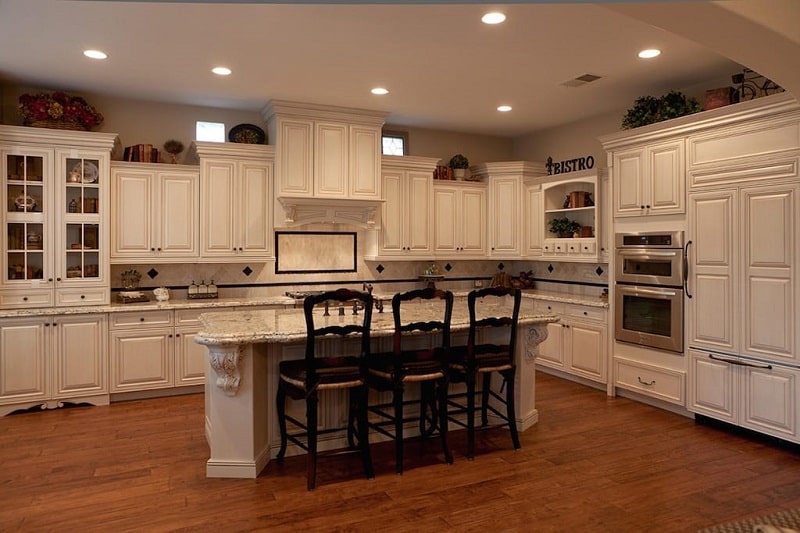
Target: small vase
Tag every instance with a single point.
(459, 173)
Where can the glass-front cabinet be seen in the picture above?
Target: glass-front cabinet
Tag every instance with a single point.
(54, 239)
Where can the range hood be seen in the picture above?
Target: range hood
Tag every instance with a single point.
(306, 210)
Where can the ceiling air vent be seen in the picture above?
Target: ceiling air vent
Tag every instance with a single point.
(581, 80)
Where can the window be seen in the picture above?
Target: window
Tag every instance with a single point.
(210, 131)
(394, 143)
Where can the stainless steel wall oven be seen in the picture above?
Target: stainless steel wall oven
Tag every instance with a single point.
(650, 276)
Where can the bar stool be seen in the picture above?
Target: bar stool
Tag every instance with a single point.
(474, 359)
(394, 370)
(302, 379)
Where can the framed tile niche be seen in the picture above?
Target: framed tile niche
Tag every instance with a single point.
(304, 252)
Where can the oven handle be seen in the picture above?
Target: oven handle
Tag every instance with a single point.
(642, 290)
(686, 269)
(644, 254)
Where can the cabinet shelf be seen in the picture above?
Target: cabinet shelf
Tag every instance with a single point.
(571, 210)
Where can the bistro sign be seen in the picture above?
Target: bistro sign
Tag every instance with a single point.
(569, 165)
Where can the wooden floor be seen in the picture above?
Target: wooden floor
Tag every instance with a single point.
(592, 463)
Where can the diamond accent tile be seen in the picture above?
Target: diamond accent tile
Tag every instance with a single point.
(599, 271)
(501, 266)
(152, 273)
(448, 267)
(380, 269)
(550, 268)
(247, 271)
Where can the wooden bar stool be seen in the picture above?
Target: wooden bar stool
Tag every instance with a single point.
(394, 370)
(303, 379)
(482, 359)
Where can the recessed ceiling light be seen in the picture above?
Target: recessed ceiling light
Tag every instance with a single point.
(649, 53)
(221, 71)
(495, 17)
(379, 90)
(504, 108)
(95, 54)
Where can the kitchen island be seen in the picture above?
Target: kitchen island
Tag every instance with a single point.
(245, 348)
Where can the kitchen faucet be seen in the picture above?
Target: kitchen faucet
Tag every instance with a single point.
(378, 302)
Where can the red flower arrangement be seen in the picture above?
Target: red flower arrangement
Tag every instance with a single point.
(58, 107)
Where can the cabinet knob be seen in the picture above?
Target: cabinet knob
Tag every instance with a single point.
(24, 298)
(152, 249)
(83, 296)
(170, 335)
(585, 313)
(241, 249)
(159, 248)
(647, 206)
(141, 319)
(177, 334)
(49, 280)
(46, 324)
(58, 279)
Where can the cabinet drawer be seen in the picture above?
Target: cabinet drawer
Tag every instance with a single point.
(95, 296)
(26, 298)
(130, 320)
(586, 313)
(189, 317)
(661, 383)
(551, 308)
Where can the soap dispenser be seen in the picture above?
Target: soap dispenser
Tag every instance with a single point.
(212, 290)
(192, 290)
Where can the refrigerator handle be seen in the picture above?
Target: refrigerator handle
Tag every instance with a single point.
(686, 269)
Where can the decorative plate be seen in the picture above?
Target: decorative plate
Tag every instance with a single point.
(247, 133)
(90, 171)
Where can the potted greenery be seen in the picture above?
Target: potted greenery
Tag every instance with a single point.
(564, 227)
(649, 109)
(459, 164)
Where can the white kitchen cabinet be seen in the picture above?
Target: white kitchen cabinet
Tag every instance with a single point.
(155, 350)
(325, 151)
(749, 393)
(407, 214)
(743, 270)
(55, 217)
(533, 220)
(49, 360)
(459, 212)
(650, 179)
(575, 199)
(156, 216)
(236, 202)
(576, 344)
(505, 216)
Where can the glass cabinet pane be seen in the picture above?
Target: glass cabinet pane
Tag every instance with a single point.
(25, 245)
(24, 185)
(82, 254)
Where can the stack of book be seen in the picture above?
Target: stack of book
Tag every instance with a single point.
(443, 173)
(144, 153)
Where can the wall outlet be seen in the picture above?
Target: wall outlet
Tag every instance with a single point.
(478, 284)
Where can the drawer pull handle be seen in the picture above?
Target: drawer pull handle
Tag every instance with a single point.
(648, 383)
(740, 363)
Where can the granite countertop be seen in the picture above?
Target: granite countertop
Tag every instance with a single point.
(288, 325)
(261, 300)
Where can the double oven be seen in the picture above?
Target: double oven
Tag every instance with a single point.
(650, 283)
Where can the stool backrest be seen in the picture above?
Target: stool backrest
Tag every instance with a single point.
(507, 319)
(429, 321)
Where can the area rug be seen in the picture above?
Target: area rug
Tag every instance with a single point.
(780, 522)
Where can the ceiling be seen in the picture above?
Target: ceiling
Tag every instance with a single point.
(444, 68)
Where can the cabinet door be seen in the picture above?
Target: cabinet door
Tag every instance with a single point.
(711, 386)
(131, 218)
(446, 229)
(141, 359)
(715, 302)
(534, 225)
(365, 163)
(24, 364)
(393, 215)
(770, 218)
(769, 400)
(472, 221)
(330, 159)
(666, 179)
(550, 352)
(255, 211)
(504, 216)
(417, 213)
(587, 350)
(80, 354)
(178, 219)
(191, 359)
(628, 183)
(218, 208)
(295, 157)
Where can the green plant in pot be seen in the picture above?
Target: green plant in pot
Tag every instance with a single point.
(459, 163)
(650, 109)
(564, 227)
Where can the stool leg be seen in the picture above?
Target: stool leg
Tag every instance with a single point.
(470, 379)
(442, 390)
(397, 398)
(352, 413)
(508, 375)
(311, 422)
(281, 405)
(363, 431)
(487, 384)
